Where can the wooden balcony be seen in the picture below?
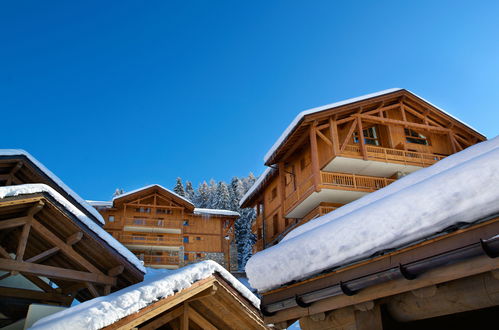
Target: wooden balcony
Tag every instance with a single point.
(315, 213)
(145, 240)
(160, 260)
(156, 223)
(353, 181)
(392, 155)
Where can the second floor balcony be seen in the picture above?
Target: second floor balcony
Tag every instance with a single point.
(157, 243)
(153, 225)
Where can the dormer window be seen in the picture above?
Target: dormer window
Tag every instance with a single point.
(412, 136)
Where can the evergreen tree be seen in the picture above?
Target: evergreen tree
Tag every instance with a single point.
(212, 195)
(221, 198)
(236, 192)
(189, 191)
(179, 188)
(202, 195)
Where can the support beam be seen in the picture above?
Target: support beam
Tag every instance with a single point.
(92, 289)
(75, 238)
(349, 135)
(55, 272)
(200, 320)
(333, 134)
(115, 271)
(363, 149)
(375, 119)
(23, 241)
(44, 255)
(184, 321)
(165, 319)
(12, 223)
(32, 295)
(314, 155)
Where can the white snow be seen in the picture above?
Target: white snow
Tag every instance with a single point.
(150, 186)
(53, 177)
(105, 204)
(463, 189)
(302, 114)
(103, 311)
(32, 188)
(198, 210)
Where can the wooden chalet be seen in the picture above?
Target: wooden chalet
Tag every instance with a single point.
(165, 230)
(52, 247)
(335, 154)
(213, 300)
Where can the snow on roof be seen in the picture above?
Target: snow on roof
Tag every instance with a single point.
(302, 114)
(150, 186)
(255, 185)
(32, 188)
(216, 212)
(103, 311)
(464, 189)
(53, 177)
(105, 204)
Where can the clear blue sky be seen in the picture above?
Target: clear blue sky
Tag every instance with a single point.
(127, 93)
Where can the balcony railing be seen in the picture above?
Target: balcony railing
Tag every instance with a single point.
(151, 240)
(393, 155)
(155, 223)
(354, 182)
(317, 212)
(159, 260)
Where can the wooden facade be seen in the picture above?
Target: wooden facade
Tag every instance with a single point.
(47, 255)
(323, 163)
(166, 231)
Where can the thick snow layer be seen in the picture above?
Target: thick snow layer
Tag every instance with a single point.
(464, 191)
(53, 177)
(100, 204)
(302, 114)
(418, 176)
(103, 311)
(215, 212)
(24, 189)
(150, 186)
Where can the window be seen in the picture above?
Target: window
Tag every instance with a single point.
(111, 218)
(198, 255)
(370, 136)
(198, 238)
(273, 194)
(186, 239)
(164, 211)
(186, 222)
(139, 221)
(412, 136)
(143, 210)
(186, 256)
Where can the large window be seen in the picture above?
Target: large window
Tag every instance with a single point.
(412, 136)
(371, 136)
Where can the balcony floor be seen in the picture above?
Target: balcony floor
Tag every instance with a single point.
(368, 167)
(145, 229)
(150, 247)
(325, 195)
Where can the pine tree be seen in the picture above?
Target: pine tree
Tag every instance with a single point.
(202, 195)
(212, 195)
(179, 188)
(222, 197)
(189, 191)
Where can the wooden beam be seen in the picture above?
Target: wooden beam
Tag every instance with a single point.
(44, 255)
(39, 283)
(324, 138)
(92, 289)
(200, 320)
(23, 241)
(36, 208)
(282, 186)
(75, 238)
(184, 321)
(314, 155)
(115, 271)
(295, 146)
(349, 135)
(15, 222)
(55, 272)
(363, 149)
(33, 295)
(164, 319)
(333, 135)
(402, 123)
(4, 253)
(65, 248)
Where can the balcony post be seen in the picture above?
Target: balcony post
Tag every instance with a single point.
(363, 149)
(282, 186)
(315, 157)
(333, 131)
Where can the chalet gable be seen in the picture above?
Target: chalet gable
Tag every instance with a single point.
(395, 107)
(153, 195)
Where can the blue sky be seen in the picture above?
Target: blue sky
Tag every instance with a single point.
(128, 93)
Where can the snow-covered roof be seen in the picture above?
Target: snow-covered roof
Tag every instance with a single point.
(256, 185)
(32, 188)
(103, 311)
(151, 186)
(55, 179)
(105, 204)
(216, 212)
(459, 188)
(304, 113)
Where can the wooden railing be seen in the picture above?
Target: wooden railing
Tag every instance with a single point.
(151, 240)
(393, 155)
(159, 260)
(317, 212)
(144, 222)
(304, 189)
(354, 182)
